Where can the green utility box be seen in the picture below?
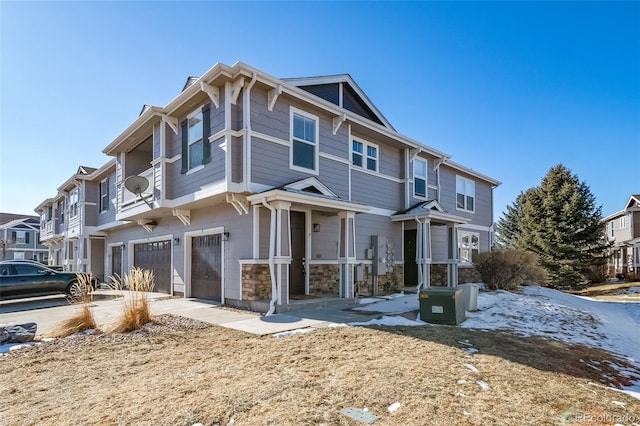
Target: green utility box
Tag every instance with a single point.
(442, 305)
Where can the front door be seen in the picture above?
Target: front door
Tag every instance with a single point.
(116, 262)
(297, 267)
(206, 267)
(410, 265)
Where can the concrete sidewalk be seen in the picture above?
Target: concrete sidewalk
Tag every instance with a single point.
(47, 312)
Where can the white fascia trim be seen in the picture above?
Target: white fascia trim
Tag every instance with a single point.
(205, 192)
(148, 114)
(253, 261)
(431, 215)
(472, 172)
(280, 195)
(324, 262)
(472, 227)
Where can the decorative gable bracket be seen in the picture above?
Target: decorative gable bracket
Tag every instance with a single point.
(235, 90)
(148, 224)
(212, 91)
(171, 121)
(184, 216)
(337, 122)
(239, 202)
(273, 96)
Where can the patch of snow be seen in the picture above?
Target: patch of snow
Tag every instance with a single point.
(471, 350)
(483, 385)
(472, 368)
(390, 321)
(466, 413)
(292, 332)
(7, 347)
(619, 404)
(462, 382)
(400, 303)
(394, 407)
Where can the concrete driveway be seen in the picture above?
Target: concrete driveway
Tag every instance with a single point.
(49, 311)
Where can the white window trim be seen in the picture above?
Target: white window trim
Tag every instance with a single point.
(426, 181)
(316, 162)
(623, 222)
(73, 207)
(101, 210)
(365, 154)
(465, 199)
(461, 233)
(189, 143)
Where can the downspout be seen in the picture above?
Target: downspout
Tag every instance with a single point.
(247, 135)
(272, 267)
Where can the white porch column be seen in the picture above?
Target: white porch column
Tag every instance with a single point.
(282, 257)
(347, 252)
(423, 252)
(452, 262)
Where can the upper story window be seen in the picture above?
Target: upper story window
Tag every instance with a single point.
(623, 222)
(104, 195)
(365, 155)
(20, 237)
(420, 178)
(196, 149)
(304, 142)
(73, 202)
(469, 245)
(465, 194)
(612, 226)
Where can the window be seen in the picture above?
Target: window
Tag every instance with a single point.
(419, 178)
(194, 139)
(365, 155)
(20, 237)
(469, 245)
(465, 194)
(623, 222)
(73, 202)
(196, 148)
(304, 138)
(612, 226)
(104, 195)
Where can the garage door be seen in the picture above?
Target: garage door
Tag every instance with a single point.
(206, 267)
(155, 257)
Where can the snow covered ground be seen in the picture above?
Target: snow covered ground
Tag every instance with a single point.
(540, 311)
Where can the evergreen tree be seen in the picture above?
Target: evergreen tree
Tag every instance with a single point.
(508, 227)
(561, 223)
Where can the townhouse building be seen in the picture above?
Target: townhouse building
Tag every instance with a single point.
(258, 192)
(19, 238)
(623, 232)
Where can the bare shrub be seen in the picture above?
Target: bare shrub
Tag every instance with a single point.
(507, 269)
(135, 302)
(596, 274)
(83, 320)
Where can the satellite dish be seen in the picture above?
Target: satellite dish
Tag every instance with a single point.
(136, 184)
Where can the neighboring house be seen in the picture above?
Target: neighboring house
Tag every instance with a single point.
(257, 191)
(623, 231)
(19, 238)
(73, 223)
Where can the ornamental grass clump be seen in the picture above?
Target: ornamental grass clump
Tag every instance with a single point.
(83, 319)
(134, 287)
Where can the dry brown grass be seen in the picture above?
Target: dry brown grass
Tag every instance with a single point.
(607, 292)
(83, 319)
(135, 303)
(215, 374)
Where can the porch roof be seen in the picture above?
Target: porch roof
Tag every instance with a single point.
(310, 192)
(430, 209)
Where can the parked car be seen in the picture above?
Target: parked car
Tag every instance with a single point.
(55, 268)
(23, 279)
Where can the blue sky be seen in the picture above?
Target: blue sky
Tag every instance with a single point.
(507, 88)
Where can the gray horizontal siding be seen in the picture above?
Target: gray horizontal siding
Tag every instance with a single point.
(483, 197)
(336, 176)
(174, 140)
(376, 191)
(273, 123)
(324, 244)
(179, 184)
(270, 164)
(368, 225)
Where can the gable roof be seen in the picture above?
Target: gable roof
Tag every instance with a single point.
(431, 209)
(634, 201)
(11, 217)
(367, 110)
